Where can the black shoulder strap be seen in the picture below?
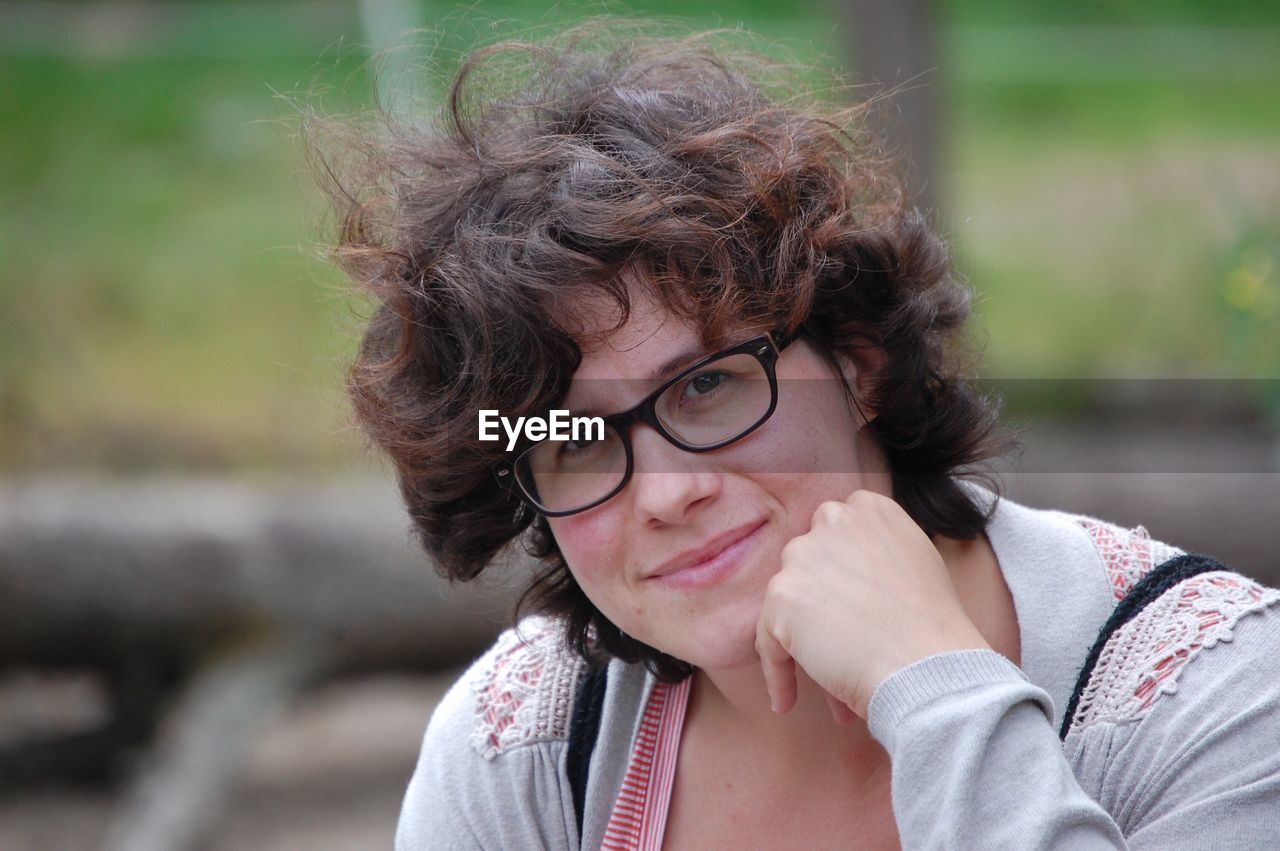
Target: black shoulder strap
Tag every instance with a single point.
(584, 728)
(1149, 588)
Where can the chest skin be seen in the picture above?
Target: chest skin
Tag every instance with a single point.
(723, 799)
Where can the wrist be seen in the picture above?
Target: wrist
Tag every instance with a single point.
(924, 647)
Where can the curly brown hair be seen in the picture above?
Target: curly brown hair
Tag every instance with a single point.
(601, 160)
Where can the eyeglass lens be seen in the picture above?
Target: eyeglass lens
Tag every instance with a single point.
(722, 400)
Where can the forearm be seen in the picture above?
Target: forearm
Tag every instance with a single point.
(976, 761)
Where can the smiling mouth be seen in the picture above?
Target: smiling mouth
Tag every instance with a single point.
(711, 562)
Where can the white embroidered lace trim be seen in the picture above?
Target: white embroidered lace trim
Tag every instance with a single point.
(1145, 657)
(525, 692)
(1127, 554)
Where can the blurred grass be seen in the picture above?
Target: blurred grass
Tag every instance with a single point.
(161, 307)
(159, 303)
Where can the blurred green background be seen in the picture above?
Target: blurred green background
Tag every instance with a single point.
(1111, 184)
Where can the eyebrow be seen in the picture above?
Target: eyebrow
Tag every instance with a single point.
(685, 357)
(662, 371)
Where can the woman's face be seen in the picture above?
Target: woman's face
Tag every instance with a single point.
(724, 516)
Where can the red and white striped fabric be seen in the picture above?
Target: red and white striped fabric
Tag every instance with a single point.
(639, 816)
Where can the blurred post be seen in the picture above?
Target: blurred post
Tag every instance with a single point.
(895, 44)
(177, 801)
(388, 27)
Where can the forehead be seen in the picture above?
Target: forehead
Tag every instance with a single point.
(651, 335)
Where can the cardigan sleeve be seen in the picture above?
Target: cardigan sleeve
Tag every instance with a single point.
(976, 762)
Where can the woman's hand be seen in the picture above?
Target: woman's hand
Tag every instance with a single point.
(864, 593)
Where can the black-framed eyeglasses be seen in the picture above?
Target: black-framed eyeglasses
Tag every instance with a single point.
(718, 400)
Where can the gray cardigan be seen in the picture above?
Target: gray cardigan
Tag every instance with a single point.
(1174, 745)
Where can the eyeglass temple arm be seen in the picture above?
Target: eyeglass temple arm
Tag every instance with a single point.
(783, 338)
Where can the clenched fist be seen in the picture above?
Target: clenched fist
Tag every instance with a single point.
(862, 594)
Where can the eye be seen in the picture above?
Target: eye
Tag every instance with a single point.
(585, 449)
(703, 384)
(573, 447)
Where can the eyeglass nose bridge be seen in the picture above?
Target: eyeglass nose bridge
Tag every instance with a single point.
(646, 412)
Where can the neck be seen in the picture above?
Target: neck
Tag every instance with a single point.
(735, 703)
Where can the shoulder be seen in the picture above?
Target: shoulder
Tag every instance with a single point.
(1127, 555)
(1189, 606)
(491, 759)
(1150, 611)
(522, 690)
(518, 694)
(1176, 725)
(1170, 607)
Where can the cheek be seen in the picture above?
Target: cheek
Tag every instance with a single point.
(595, 547)
(811, 432)
(809, 452)
(592, 546)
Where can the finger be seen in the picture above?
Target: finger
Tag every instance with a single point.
(779, 672)
(828, 513)
(842, 713)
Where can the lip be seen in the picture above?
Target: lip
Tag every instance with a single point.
(705, 564)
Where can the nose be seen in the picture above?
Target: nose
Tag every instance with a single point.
(668, 483)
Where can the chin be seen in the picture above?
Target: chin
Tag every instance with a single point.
(725, 647)
(718, 632)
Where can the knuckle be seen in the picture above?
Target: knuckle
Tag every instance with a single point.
(795, 560)
(792, 551)
(873, 503)
(780, 587)
(864, 498)
(829, 512)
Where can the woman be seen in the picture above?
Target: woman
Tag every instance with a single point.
(770, 613)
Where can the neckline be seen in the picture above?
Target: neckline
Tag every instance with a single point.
(1060, 593)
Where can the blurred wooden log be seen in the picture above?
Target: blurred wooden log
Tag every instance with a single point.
(1212, 488)
(93, 572)
(154, 583)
